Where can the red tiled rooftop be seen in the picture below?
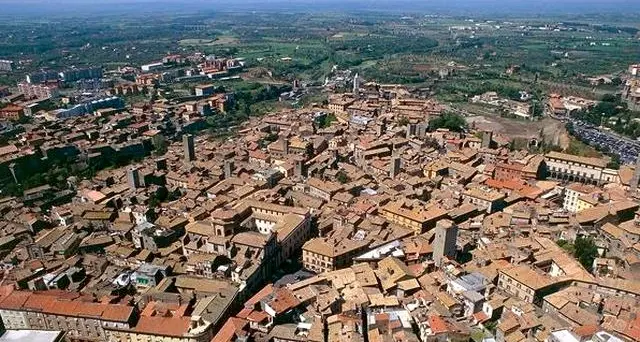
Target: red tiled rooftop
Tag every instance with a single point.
(63, 308)
(15, 300)
(267, 290)
(6, 290)
(283, 300)
(258, 155)
(244, 313)
(633, 330)
(90, 309)
(257, 316)
(229, 330)
(38, 302)
(166, 326)
(437, 325)
(480, 316)
(512, 184)
(586, 330)
(64, 303)
(395, 324)
(117, 313)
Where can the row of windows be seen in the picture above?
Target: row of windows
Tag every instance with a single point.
(401, 219)
(572, 172)
(317, 256)
(317, 268)
(573, 163)
(309, 261)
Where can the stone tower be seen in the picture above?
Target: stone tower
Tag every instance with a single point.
(444, 243)
(189, 148)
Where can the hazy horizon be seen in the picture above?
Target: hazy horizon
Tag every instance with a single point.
(544, 7)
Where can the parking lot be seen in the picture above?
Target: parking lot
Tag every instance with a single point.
(627, 149)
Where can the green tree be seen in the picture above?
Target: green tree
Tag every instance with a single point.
(536, 108)
(585, 251)
(614, 163)
(342, 177)
(154, 201)
(161, 148)
(326, 120)
(451, 121)
(567, 246)
(402, 121)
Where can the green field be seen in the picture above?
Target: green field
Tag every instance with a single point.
(380, 46)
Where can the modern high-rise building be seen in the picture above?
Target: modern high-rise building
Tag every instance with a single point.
(88, 106)
(189, 148)
(444, 243)
(6, 65)
(41, 91)
(76, 74)
(42, 76)
(68, 75)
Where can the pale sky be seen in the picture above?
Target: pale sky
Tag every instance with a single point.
(483, 6)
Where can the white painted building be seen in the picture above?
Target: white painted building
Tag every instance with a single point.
(572, 168)
(572, 195)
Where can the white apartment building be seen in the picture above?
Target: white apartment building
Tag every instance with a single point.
(572, 194)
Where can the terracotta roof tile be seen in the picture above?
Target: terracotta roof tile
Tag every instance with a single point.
(117, 313)
(267, 290)
(62, 303)
(438, 325)
(166, 326)
(283, 300)
(229, 330)
(257, 316)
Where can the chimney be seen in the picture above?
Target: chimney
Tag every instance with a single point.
(195, 322)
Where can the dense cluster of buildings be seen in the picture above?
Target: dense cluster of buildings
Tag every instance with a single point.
(67, 75)
(196, 67)
(560, 106)
(80, 91)
(349, 222)
(520, 109)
